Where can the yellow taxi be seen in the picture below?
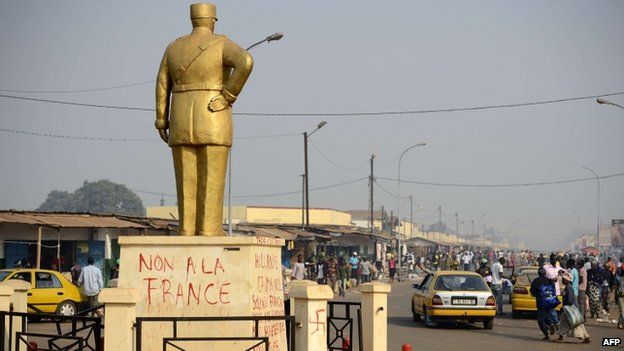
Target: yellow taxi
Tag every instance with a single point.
(521, 298)
(50, 291)
(453, 296)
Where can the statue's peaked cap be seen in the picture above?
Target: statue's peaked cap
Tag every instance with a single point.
(203, 10)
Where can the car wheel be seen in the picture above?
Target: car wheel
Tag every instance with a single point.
(428, 321)
(66, 308)
(488, 323)
(416, 317)
(515, 314)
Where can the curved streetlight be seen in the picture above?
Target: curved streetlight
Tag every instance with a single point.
(306, 135)
(272, 37)
(399, 198)
(597, 208)
(607, 102)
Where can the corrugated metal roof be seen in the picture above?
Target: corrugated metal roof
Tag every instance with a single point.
(275, 233)
(71, 220)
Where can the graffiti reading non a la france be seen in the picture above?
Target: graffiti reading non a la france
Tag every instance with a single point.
(187, 291)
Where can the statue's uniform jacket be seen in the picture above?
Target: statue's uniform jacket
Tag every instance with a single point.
(192, 70)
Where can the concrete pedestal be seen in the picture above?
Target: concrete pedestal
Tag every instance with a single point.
(375, 316)
(199, 276)
(120, 315)
(311, 315)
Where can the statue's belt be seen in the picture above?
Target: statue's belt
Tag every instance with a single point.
(179, 88)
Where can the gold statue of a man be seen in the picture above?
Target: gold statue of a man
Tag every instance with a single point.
(204, 73)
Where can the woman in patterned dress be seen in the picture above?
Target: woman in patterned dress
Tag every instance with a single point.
(594, 280)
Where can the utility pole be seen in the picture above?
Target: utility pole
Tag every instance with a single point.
(307, 190)
(457, 224)
(483, 234)
(307, 174)
(411, 216)
(303, 185)
(370, 196)
(383, 219)
(439, 218)
(597, 207)
(472, 222)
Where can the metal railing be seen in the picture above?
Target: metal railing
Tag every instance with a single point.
(340, 328)
(171, 341)
(84, 333)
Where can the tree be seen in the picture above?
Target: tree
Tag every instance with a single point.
(58, 201)
(102, 196)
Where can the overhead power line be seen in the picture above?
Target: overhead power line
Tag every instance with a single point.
(263, 195)
(329, 114)
(72, 103)
(507, 185)
(388, 192)
(92, 138)
(334, 163)
(129, 85)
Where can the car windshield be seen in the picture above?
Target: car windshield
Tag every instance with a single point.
(3, 275)
(460, 283)
(526, 277)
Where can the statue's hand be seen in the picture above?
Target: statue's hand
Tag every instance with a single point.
(164, 135)
(218, 103)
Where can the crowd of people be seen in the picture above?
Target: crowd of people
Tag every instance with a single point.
(569, 289)
(585, 285)
(342, 273)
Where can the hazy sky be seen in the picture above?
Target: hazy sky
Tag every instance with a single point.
(338, 56)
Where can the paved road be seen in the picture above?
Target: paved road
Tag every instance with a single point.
(508, 334)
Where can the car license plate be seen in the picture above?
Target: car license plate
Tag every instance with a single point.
(469, 302)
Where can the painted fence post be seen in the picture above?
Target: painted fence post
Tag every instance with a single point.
(120, 310)
(311, 316)
(375, 316)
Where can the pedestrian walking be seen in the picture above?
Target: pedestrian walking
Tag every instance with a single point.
(332, 273)
(582, 287)
(365, 270)
(75, 272)
(607, 284)
(574, 282)
(497, 284)
(568, 326)
(466, 258)
(392, 268)
(541, 260)
(594, 280)
(552, 272)
(543, 289)
(619, 295)
(321, 268)
(299, 269)
(342, 277)
(91, 281)
(354, 261)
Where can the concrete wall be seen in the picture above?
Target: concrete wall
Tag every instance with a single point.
(290, 215)
(267, 215)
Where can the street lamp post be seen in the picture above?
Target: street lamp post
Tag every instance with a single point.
(272, 37)
(371, 191)
(307, 175)
(399, 197)
(607, 102)
(597, 207)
